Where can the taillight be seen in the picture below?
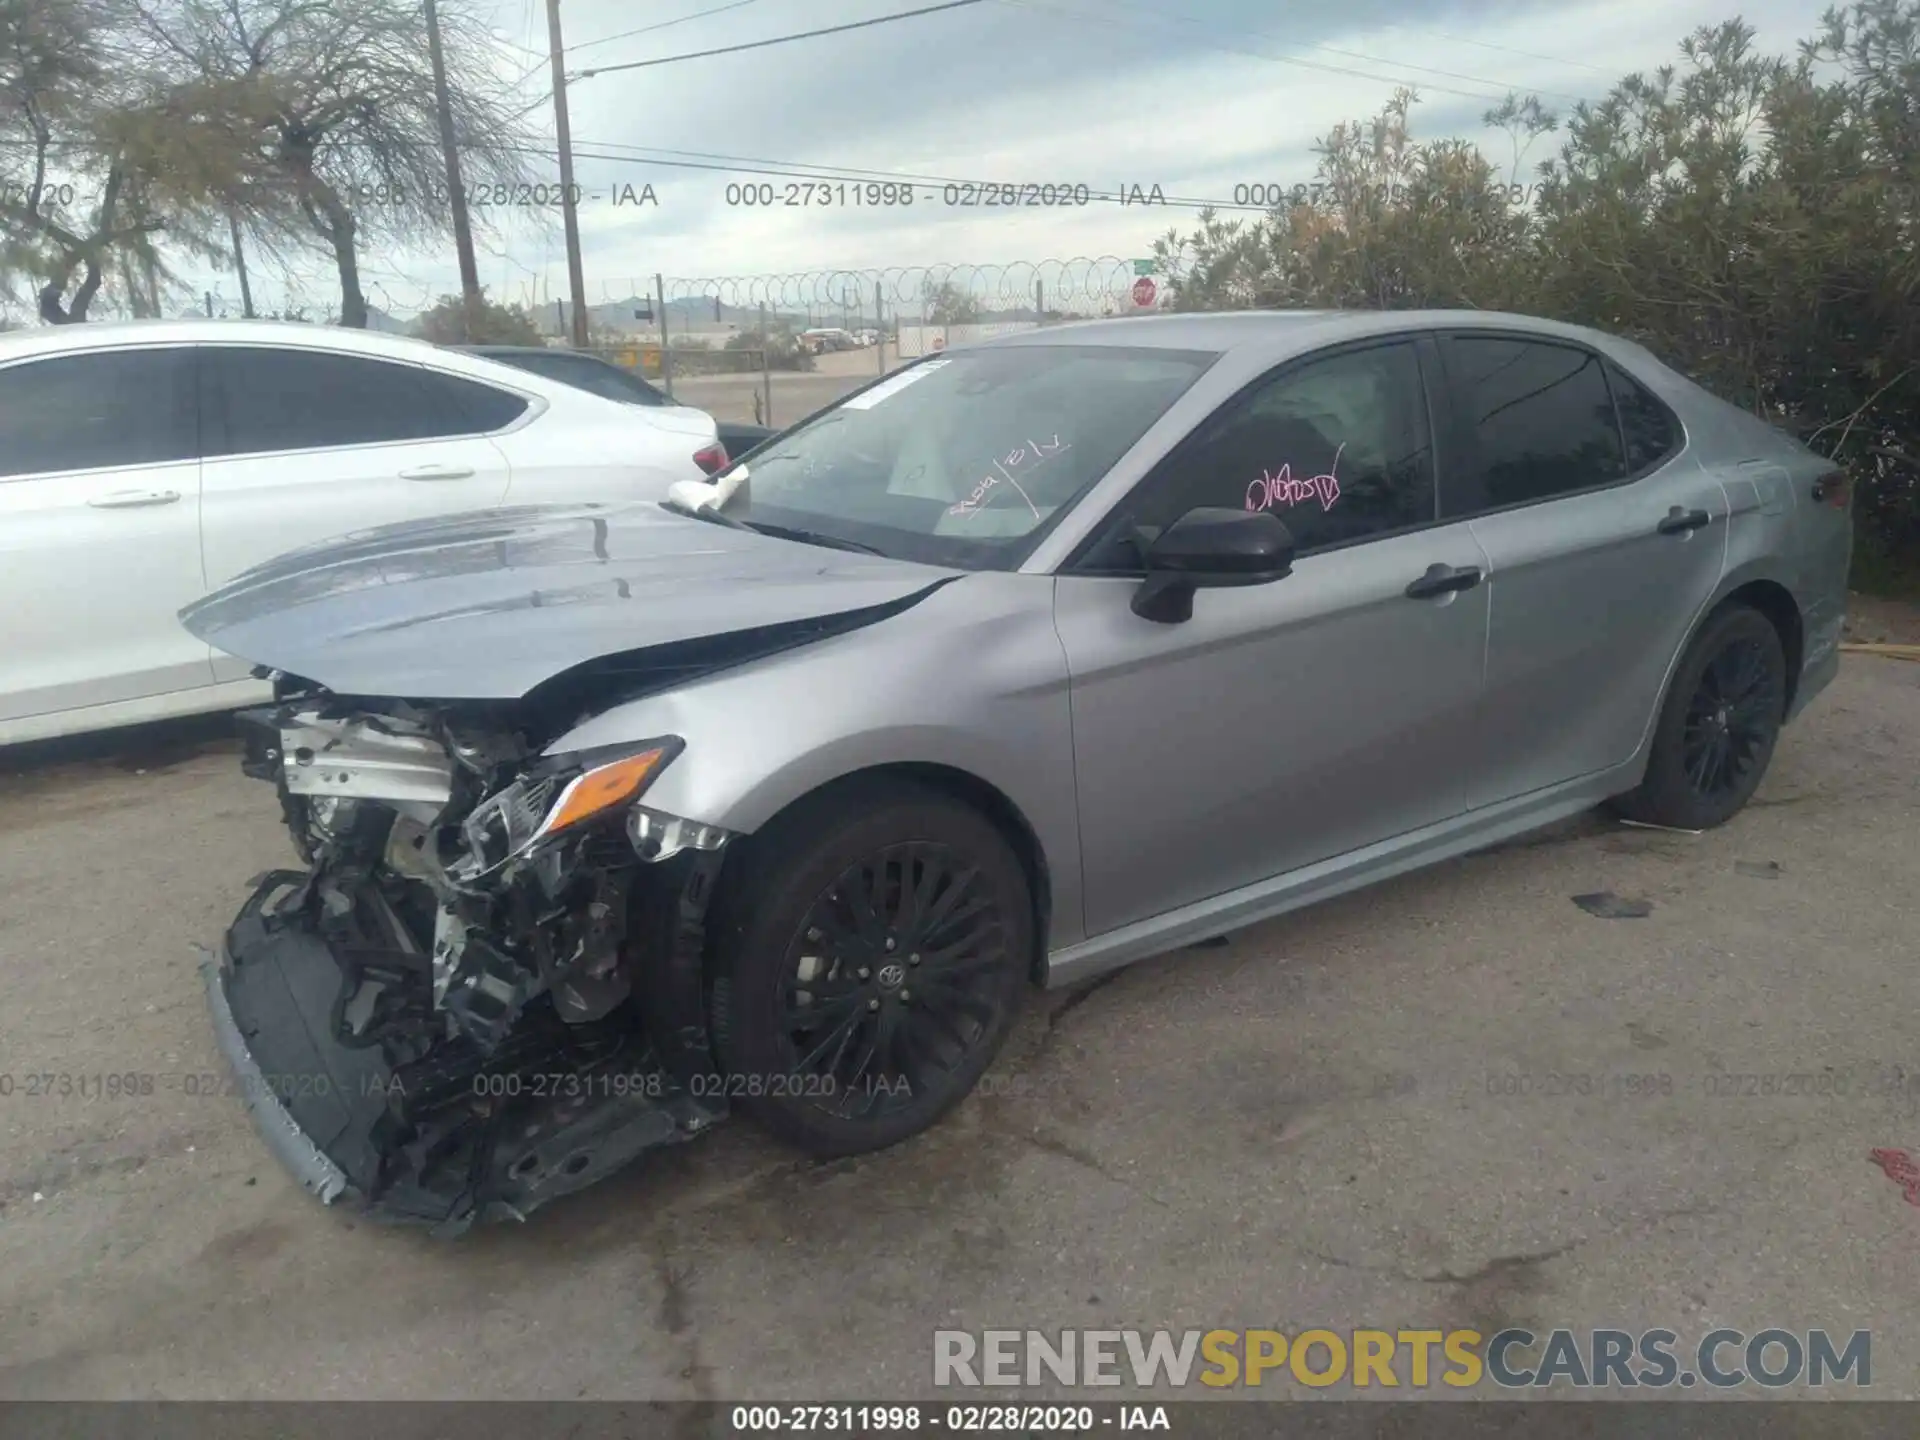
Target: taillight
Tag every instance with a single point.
(1833, 489)
(713, 459)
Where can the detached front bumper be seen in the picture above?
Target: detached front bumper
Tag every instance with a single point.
(449, 1139)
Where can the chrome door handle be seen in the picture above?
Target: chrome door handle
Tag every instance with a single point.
(131, 499)
(438, 472)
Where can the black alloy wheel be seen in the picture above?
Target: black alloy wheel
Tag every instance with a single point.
(872, 946)
(1732, 717)
(1718, 727)
(892, 978)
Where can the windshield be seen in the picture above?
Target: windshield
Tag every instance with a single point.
(967, 459)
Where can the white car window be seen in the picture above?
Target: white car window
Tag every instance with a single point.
(285, 399)
(109, 408)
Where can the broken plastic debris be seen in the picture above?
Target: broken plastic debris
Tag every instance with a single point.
(38, 1197)
(1759, 869)
(1609, 906)
(1669, 829)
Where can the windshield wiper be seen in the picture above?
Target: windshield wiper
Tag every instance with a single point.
(811, 537)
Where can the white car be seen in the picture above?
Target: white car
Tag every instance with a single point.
(145, 463)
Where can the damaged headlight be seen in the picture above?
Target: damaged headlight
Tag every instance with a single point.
(517, 820)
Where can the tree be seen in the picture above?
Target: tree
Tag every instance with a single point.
(332, 105)
(104, 152)
(1749, 218)
(947, 304)
(448, 323)
(783, 347)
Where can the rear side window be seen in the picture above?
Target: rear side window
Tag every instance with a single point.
(583, 372)
(598, 379)
(1542, 418)
(82, 412)
(1648, 427)
(282, 399)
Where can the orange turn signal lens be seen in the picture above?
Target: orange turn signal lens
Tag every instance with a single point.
(602, 788)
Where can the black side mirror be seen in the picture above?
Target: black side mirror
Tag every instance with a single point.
(1211, 546)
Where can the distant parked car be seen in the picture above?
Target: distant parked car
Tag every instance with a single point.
(615, 382)
(824, 338)
(144, 463)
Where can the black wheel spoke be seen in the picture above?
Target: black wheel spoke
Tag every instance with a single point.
(960, 963)
(868, 925)
(936, 916)
(910, 1056)
(836, 1041)
(941, 993)
(918, 877)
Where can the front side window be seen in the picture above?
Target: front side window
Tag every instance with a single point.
(965, 460)
(286, 399)
(1338, 448)
(1542, 417)
(83, 412)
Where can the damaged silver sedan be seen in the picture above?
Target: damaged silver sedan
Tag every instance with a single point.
(1020, 664)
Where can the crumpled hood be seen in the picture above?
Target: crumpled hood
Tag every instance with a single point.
(488, 604)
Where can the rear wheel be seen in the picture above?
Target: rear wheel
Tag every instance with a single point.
(1718, 727)
(871, 957)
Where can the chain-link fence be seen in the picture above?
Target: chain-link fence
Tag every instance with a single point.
(701, 337)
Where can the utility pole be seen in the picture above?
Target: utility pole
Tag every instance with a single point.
(456, 191)
(240, 264)
(563, 135)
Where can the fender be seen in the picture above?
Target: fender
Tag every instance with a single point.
(763, 735)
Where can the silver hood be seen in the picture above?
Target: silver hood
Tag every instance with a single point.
(489, 604)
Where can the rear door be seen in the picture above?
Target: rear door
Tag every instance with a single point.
(1605, 539)
(99, 529)
(304, 445)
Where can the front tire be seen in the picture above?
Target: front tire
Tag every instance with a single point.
(1718, 727)
(872, 953)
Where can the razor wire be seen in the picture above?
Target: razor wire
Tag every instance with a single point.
(1079, 285)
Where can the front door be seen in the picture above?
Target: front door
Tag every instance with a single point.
(99, 530)
(1295, 721)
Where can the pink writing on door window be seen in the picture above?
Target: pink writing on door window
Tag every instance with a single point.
(1284, 489)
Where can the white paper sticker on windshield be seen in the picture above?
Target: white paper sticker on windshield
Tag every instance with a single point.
(867, 399)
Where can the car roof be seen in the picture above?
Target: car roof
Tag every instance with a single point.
(1225, 331)
(95, 334)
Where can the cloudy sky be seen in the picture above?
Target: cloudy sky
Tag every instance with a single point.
(1195, 96)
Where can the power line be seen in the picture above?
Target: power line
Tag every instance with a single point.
(777, 40)
(1337, 50)
(1258, 55)
(662, 25)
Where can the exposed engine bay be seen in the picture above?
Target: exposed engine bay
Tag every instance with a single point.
(486, 990)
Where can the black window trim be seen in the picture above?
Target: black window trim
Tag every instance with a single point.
(213, 400)
(196, 400)
(1426, 361)
(1468, 476)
